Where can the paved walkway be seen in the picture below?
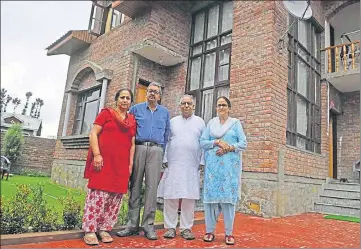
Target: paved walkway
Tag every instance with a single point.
(305, 230)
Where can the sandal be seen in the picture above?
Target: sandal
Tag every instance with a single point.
(229, 240)
(105, 237)
(91, 239)
(208, 237)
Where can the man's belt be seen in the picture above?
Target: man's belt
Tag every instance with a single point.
(148, 144)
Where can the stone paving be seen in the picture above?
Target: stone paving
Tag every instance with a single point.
(308, 230)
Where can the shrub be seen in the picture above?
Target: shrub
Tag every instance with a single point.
(71, 213)
(123, 212)
(32, 173)
(13, 142)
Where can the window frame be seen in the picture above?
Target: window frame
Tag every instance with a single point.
(103, 19)
(198, 92)
(313, 92)
(82, 102)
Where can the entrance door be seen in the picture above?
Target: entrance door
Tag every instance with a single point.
(141, 91)
(333, 146)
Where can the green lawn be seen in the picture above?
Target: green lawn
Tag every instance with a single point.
(52, 192)
(341, 217)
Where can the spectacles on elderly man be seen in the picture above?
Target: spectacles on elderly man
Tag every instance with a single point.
(186, 103)
(153, 91)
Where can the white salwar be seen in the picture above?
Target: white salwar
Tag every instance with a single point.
(181, 178)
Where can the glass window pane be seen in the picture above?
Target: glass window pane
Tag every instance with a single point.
(207, 105)
(302, 118)
(223, 70)
(317, 89)
(226, 39)
(198, 27)
(90, 113)
(197, 50)
(302, 78)
(195, 73)
(227, 16)
(77, 127)
(223, 91)
(213, 17)
(209, 69)
(301, 143)
(303, 33)
(211, 44)
(290, 111)
(303, 54)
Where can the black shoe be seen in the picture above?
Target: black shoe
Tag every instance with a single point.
(150, 234)
(127, 232)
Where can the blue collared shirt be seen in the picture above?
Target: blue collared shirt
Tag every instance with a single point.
(151, 126)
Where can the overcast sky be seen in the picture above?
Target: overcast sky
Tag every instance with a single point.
(27, 28)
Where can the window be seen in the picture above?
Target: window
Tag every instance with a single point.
(86, 111)
(209, 56)
(98, 17)
(304, 87)
(117, 18)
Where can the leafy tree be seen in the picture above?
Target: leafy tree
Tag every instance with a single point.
(16, 102)
(2, 99)
(28, 95)
(8, 99)
(13, 142)
(32, 109)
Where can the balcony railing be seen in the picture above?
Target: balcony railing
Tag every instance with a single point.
(343, 57)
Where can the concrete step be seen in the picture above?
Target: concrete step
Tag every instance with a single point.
(337, 209)
(342, 186)
(353, 194)
(340, 201)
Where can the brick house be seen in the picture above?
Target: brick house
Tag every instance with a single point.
(31, 126)
(299, 103)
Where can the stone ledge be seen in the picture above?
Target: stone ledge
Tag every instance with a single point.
(75, 142)
(27, 238)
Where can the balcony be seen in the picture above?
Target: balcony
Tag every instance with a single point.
(131, 8)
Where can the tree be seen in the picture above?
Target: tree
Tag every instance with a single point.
(32, 109)
(28, 95)
(16, 102)
(3, 96)
(41, 103)
(8, 99)
(13, 142)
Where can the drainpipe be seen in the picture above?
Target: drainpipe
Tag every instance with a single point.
(103, 94)
(67, 112)
(134, 75)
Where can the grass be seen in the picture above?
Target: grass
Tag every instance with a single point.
(52, 192)
(343, 218)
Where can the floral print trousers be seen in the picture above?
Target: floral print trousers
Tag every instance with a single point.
(101, 210)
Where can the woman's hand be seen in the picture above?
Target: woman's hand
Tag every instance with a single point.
(223, 145)
(130, 169)
(221, 152)
(98, 162)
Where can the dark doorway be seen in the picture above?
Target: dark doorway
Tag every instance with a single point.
(333, 135)
(332, 43)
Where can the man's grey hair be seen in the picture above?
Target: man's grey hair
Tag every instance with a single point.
(158, 85)
(186, 96)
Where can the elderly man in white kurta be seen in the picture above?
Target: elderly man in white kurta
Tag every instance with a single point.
(180, 180)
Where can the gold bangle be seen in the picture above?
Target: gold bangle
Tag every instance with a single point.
(96, 155)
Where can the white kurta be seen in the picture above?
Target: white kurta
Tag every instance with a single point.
(184, 155)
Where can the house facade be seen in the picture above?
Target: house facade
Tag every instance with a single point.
(31, 126)
(298, 100)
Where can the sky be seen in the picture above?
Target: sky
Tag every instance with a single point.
(27, 28)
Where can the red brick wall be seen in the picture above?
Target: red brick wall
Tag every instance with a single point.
(348, 134)
(37, 155)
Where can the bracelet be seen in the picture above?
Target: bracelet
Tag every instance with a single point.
(96, 155)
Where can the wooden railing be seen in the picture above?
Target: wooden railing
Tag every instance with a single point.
(343, 55)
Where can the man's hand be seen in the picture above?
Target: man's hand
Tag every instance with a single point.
(201, 167)
(98, 162)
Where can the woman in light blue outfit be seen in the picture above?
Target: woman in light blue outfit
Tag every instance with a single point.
(223, 139)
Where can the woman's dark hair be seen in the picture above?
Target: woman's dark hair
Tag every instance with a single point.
(121, 90)
(226, 99)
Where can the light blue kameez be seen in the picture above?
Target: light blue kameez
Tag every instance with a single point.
(222, 173)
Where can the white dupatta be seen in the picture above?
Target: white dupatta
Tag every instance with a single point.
(217, 130)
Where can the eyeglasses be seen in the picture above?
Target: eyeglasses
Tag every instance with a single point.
(153, 91)
(186, 103)
(222, 105)
(124, 97)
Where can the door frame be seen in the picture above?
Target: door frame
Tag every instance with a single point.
(333, 145)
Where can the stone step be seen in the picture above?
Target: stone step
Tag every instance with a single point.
(343, 186)
(340, 201)
(353, 194)
(336, 209)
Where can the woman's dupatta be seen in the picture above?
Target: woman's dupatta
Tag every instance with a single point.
(124, 125)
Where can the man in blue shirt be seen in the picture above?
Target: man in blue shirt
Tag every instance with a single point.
(153, 123)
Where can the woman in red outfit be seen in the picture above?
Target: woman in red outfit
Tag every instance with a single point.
(108, 167)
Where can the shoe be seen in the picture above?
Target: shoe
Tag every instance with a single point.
(229, 240)
(170, 233)
(187, 234)
(150, 234)
(127, 232)
(91, 239)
